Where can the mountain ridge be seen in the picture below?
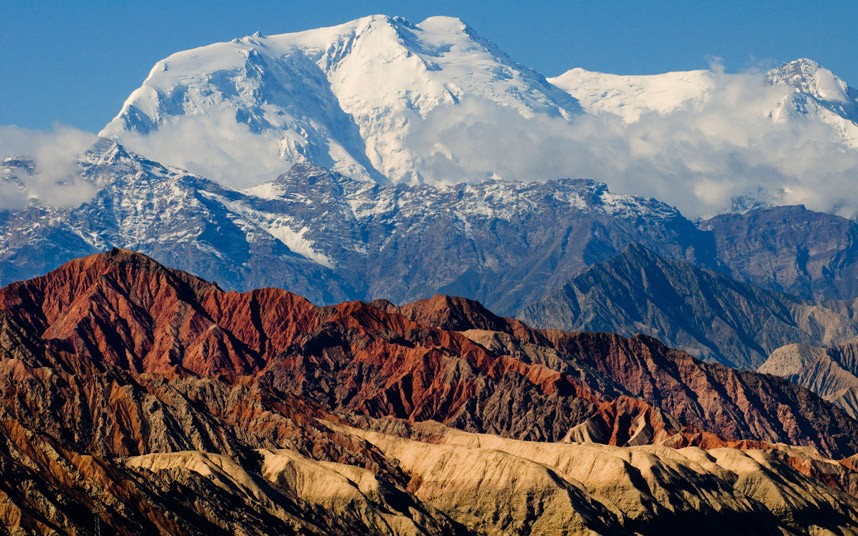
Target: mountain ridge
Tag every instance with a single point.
(154, 400)
(385, 100)
(703, 312)
(195, 328)
(817, 93)
(332, 238)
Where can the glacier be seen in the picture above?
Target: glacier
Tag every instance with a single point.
(344, 97)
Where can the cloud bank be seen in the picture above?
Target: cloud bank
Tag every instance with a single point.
(697, 159)
(54, 178)
(215, 146)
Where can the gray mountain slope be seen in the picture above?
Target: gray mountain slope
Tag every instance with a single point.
(790, 249)
(699, 311)
(330, 237)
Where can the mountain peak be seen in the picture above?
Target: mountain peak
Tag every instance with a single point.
(807, 76)
(444, 25)
(93, 266)
(345, 97)
(434, 24)
(802, 63)
(442, 21)
(452, 313)
(377, 19)
(105, 150)
(305, 177)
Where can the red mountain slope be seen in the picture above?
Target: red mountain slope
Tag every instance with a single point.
(114, 357)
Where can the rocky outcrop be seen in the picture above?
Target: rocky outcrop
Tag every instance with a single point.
(625, 422)
(790, 249)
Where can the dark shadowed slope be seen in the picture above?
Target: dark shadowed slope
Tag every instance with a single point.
(705, 313)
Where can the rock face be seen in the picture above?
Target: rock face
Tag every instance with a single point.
(790, 249)
(832, 373)
(703, 312)
(156, 401)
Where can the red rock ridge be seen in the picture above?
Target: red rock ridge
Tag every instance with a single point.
(124, 310)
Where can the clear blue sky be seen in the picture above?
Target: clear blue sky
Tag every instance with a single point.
(76, 62)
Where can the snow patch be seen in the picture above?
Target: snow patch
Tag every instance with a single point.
(296, 241)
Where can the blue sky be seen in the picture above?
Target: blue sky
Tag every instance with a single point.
(76, 62)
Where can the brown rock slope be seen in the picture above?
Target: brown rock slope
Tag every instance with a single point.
(156, 401)
(125, 310)
(703, 396)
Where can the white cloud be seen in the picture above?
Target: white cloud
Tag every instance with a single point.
(55, 180)
(696, 159)
(214, 146)
(716, 64)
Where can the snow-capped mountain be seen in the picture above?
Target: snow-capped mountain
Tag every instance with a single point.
(810, 80)
(630, 96)
(383, 100)
(808, 91)
(332, 237)
(344, 97)
(816, 94)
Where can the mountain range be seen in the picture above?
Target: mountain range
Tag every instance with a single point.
(358, 98)
(403, 320)
(383, 100)
(813, 93)
(354, 211)
(152, 400)
(331, 237)
(771, 276)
